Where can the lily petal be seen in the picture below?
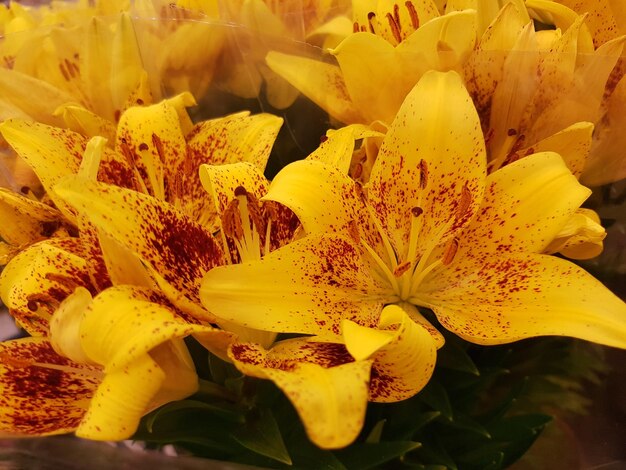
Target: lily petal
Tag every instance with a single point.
(41, 393)
(25, 220)
(178, 250)
(495, 300)
(403, 366)
(321, 82)
(519, 211)
(326, 386)
(308, 286)
(36, 280)
(435, 155)
(581, 237)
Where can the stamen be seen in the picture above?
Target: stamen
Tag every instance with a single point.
(353, 231)
(450, 253)
(395, 27)
(396, 14)
(391, 254)
(355, 27)
(464, 203)
(401, 269)
(382, 266)
(231, 222)
(423, 169)
(371, 16)
(415, 22)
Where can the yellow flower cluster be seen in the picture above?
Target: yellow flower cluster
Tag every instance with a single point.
(462, 135)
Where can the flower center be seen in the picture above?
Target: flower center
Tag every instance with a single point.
(244, 224)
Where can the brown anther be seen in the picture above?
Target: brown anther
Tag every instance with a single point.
(158, 144)
(240, 191)
(415, 21)
(511, 132)
(139, 101)
(358, 171)
(143, 146)
(396, 14)
(231, 220)
(401, 269)
(464, 203)
(371, 16)
(32, 306)
(353, 231)
(395, 27)
(116, 115)
(423, 168)
(450, 253)
(64, 72)
(34, 300)
(416, 211)
(355, 27)
(364, 29)
(24, 190)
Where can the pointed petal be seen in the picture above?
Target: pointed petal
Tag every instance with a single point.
(36, 280)
(308, 286)
(581, 237)
(526, 205)
(121, 400)
(373, 76)
(36, 99)
(177, 249)
(25, 220)
(327, 388)
(338, 147)
(41, 393)
(572, 144)
(495, 300)
(433, 158)
(403, 366)
(234, 139)
(322, 83)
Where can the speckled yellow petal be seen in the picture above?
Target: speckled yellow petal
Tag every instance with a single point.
(526, 205)
(572, 144)
(65, 326)
(177, 249)
(581, 237)
(298, 289)
(326, 386)
(121, 400)
(338, 148)
(431, 164)
(321, 82)
(125, 322)
(36, 280)
(499, 299)
(403, 366)
(25, 220)
(233, 139)
(41, 393)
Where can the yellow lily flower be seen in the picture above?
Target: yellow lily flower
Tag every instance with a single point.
(427, 231)
(381, 61)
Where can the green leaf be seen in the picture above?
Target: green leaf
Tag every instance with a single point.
(376, 432)
(519, 427)
(464, 422)
(222, 410)
(453, 356)
(262, 436)
(364, 455)
(436, 396)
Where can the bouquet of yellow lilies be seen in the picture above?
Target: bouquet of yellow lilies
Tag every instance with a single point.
(428, 164)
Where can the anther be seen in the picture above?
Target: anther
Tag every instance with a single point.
(395, 27)
(231, 221)
(240, 191)
(415, 22)
(423, 169)
(417, 211)
(464, 203)
(355, 27)
(156, 141)
(353, 231)
(450, 253)
(371, 16)
(401, 269)
(396, 14)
